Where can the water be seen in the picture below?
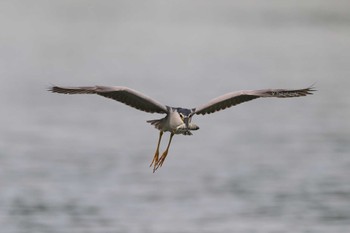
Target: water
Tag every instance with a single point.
(80, 163)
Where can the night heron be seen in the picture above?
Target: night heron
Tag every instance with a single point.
(177, 120)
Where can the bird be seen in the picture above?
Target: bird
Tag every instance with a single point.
(178, 120)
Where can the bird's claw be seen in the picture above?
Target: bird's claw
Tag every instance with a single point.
(159, 162)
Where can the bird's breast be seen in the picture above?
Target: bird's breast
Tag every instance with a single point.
(174, 120)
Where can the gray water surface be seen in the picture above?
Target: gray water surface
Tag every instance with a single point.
(75, 164)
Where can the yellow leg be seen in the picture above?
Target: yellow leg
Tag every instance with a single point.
(165, 153)
(155, 158)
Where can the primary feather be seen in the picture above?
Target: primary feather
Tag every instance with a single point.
(234, 98)
(125, 95)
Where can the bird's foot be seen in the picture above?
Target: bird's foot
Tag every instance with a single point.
(161, 160)
(155, 161)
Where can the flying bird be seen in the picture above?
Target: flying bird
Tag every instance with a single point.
(178, 120)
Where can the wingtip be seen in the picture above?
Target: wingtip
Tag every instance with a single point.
(57, 89)
(312, 87)
(310, 90)
(50, 88)
(53, 89)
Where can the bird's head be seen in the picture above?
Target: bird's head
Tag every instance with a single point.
(186, 117)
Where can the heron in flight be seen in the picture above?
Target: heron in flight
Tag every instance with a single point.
(178, 120)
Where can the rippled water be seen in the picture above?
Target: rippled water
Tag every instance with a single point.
(80, 163)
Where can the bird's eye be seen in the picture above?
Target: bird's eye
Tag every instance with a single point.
(182, 116)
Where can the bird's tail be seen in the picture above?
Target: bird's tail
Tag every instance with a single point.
(157, 123)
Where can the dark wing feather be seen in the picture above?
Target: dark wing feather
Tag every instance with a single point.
(122, 94)
(234, 98)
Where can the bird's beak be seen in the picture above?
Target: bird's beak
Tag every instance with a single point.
(186, 121)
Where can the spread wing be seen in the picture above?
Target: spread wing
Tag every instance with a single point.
(122, 94)
(234, 98)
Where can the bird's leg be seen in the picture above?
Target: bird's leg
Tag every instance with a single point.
(155, 158)
(165, 153)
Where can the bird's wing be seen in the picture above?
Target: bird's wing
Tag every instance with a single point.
(234, 98)
(122, 94)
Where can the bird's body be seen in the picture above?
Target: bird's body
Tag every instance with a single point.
(177, 119)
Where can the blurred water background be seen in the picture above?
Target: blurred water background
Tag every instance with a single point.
(75, 164)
